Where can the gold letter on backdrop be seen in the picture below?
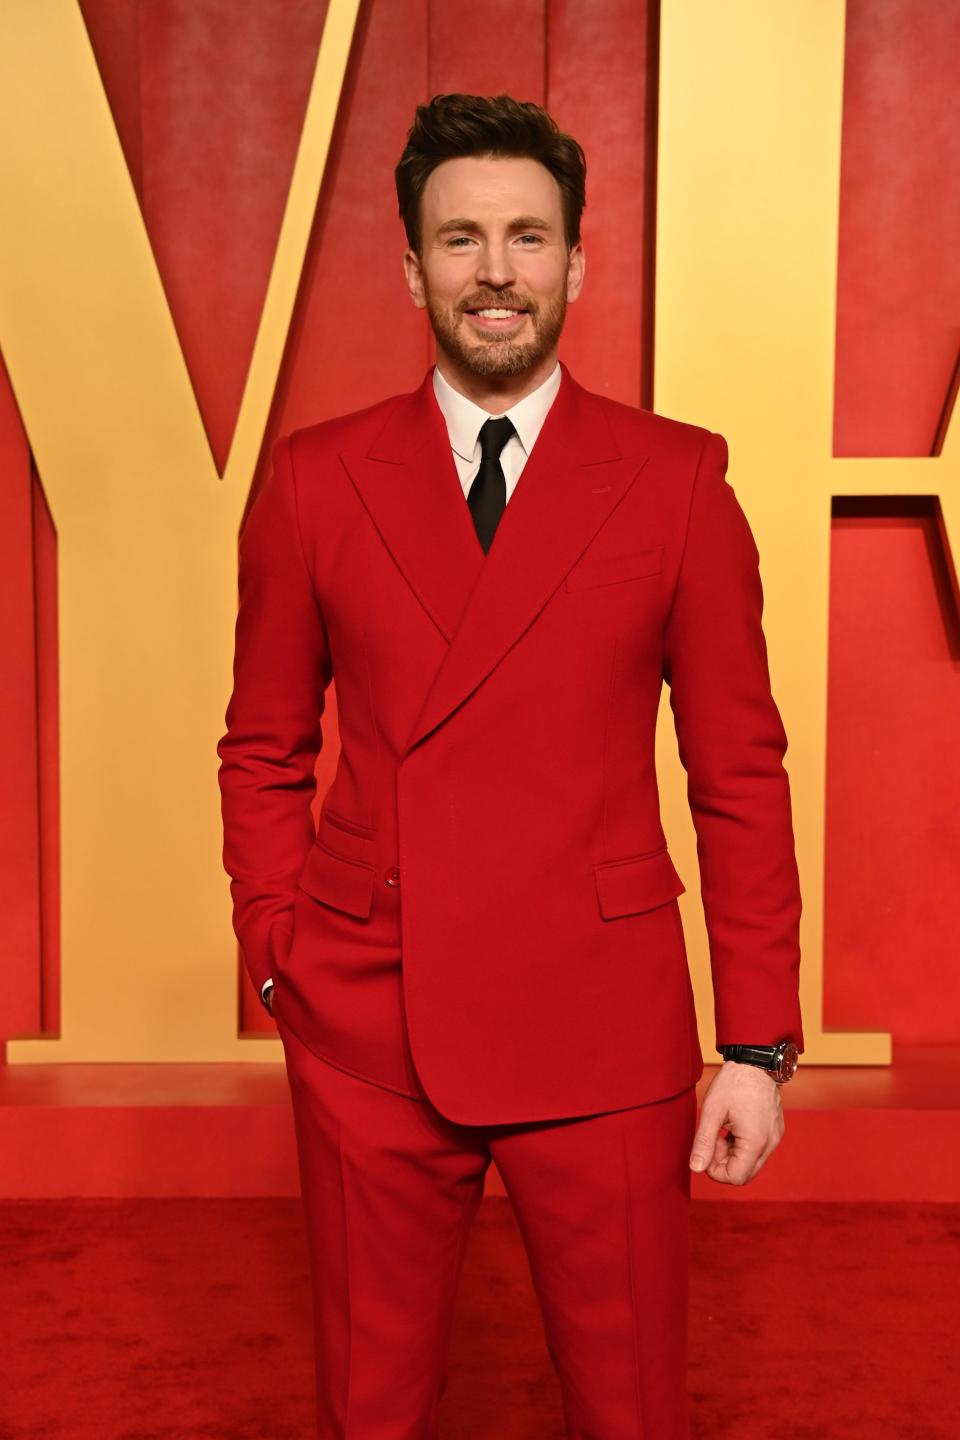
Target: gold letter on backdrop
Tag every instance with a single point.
(146, 538)
(749, 194)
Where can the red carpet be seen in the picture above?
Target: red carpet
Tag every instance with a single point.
(154, 1319)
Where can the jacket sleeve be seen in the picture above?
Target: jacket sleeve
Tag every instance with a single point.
(281, 670)
(732, 742)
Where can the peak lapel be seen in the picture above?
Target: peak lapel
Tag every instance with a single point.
(409, 484)
(572, 481)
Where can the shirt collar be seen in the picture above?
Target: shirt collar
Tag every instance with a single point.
(464, 417)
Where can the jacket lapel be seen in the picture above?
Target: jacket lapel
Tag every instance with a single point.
(573, 479)
(408, 482)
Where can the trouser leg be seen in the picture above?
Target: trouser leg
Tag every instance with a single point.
(602, 1204)
(390, 1189)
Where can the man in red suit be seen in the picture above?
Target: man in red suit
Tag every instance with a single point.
(477, 954)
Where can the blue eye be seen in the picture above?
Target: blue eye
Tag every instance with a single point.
(456, 239)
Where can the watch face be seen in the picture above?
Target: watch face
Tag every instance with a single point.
(789, 1061)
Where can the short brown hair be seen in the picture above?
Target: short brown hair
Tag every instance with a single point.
(454, 125)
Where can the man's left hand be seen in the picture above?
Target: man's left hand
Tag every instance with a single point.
(745, 1101)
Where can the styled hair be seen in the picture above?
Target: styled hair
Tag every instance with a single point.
(449, 126)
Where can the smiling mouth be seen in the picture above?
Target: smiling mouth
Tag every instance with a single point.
(496, 317)
(495, 311)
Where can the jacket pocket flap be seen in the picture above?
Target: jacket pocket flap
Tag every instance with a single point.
(350, 842)
(344, 884)
(626, 887)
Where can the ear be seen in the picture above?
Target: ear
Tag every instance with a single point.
(576, 268)
(413, 270)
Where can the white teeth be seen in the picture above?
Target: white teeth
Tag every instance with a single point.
(497, 314)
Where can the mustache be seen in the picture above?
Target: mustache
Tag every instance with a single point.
(499, 302)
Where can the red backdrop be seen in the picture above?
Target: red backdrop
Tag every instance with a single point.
(208, 99)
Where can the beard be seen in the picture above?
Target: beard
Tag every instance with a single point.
(493, 353)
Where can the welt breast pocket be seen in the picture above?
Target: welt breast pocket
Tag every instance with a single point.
(595, 570)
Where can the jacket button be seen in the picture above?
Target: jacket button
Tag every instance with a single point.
(393, 876)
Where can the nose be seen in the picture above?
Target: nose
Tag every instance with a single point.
(495, 267)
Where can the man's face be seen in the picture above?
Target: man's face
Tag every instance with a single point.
(493, 238)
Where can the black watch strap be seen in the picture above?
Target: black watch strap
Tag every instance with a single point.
(780, 1060)
(751, 1054)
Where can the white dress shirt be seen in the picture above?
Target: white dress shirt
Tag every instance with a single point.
(464, 418)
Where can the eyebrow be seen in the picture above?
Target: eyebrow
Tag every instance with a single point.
(520, 222)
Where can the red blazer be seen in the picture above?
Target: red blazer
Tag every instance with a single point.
(488, 915)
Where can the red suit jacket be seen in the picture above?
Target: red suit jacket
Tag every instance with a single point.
(487, 915)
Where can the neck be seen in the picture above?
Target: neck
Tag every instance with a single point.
(494, 393)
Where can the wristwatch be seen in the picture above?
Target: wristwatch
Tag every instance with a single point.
(780, 1061)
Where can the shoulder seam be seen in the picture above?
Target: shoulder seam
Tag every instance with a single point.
(708, 436)
(297, 525)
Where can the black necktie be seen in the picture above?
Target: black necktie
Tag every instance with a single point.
(488, 493)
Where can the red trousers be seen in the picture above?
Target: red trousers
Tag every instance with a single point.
(390, 1188)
